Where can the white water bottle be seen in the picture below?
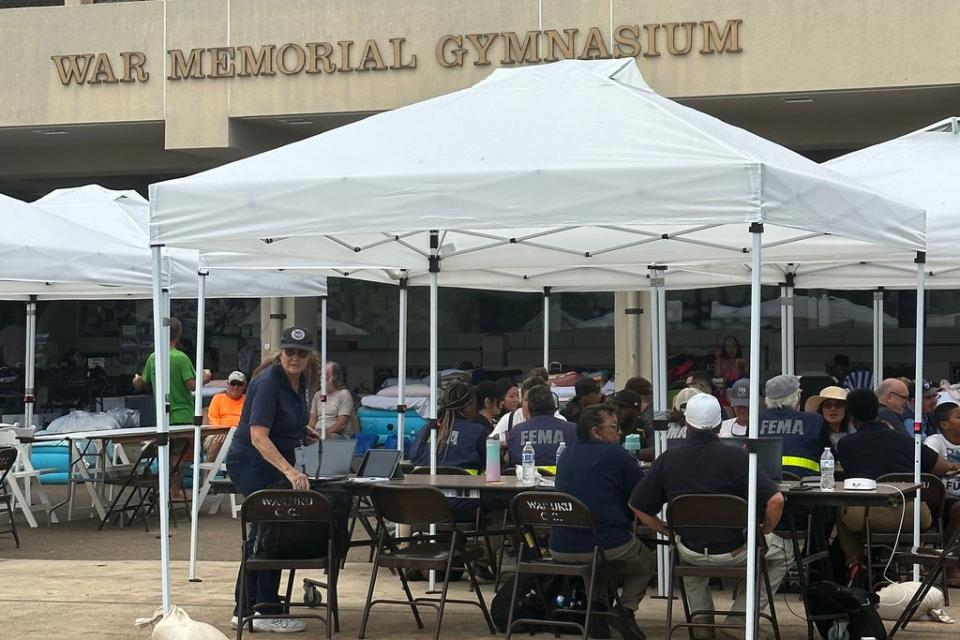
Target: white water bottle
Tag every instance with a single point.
(826, 470)
(527, 457)
(560, 450)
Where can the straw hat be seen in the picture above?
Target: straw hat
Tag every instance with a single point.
(827, 393)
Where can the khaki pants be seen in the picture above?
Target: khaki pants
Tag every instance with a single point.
(779, 555)
(882, 520)
(636, 564)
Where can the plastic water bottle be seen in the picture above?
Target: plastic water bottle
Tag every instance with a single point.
(527, 457)
(493, 459)
(632, 445)
(560, 450)
(827, 481)
(560, 602)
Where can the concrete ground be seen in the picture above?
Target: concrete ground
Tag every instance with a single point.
(72, 581)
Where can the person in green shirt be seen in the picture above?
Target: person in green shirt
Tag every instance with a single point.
(183, 382)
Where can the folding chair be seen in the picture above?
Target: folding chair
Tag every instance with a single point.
(712, 511)
(535, 509)
(139, 486)
(934, 494)
(210, 470)
(938, 562)
(8, 458)
(284, 507)
(421, 506)
(21, 477)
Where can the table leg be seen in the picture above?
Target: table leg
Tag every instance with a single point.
(90, 483)
(801, 574)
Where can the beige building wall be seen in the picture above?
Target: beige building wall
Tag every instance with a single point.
(786, 47)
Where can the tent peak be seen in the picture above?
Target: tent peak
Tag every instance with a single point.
(623, 71)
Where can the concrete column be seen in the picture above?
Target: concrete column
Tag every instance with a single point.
(631, 335)
(272, 319)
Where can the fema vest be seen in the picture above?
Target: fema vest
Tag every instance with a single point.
(545, 433)
(465, 447)
(802, 434)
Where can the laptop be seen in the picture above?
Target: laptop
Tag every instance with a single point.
(379, 465)
(327, 460)
(769, 455)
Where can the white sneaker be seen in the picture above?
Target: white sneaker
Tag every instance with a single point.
(233, 622)
(278, 625)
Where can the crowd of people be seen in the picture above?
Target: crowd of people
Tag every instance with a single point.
(281, 408)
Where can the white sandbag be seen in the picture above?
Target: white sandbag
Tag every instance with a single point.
(895, 597)
(177, 625)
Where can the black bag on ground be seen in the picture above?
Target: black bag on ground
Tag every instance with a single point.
(531, 606)
(846, 603)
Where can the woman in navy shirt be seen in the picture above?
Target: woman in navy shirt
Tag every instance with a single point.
(460, 440)
(272, 425)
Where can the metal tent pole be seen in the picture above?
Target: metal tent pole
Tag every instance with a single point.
(546, 328)
(323, 367)
(878, 373)
(198, 420)
(658, 382)
(30, 364)
(875, 367)
(784, 338)
(756, 229)
(791, 335)
(162, 366)
(921, 260)
(402, 366)
(434, 376)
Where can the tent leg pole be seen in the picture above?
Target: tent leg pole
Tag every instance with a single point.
(402, 367)
(546, 328)
(198, 421)
(658, 382)
(791, 335)
(161, 329)
(918, 419)
(323, 367)
(434, 366)
(880, 340)
(756, 229)
(784, 329)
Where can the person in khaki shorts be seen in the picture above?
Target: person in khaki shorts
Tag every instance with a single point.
(874, 450)
(340, 419)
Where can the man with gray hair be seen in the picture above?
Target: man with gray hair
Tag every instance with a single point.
(542, 430)
(894, 395)
(802, 432)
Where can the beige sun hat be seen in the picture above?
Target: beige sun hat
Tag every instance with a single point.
(827, 393)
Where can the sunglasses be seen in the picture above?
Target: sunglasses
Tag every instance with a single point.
(300, 353)
(236, 383)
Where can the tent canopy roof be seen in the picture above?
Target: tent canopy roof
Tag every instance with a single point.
(122, 218)
(577, 163)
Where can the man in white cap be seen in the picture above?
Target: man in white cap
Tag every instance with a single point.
(803, 433)
(224, 411)
(720, 469)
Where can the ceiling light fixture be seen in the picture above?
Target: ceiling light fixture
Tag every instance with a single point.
(51, 132)
(797, 99)
(296, 122)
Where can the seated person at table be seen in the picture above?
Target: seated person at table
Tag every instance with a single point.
(460, 440)
(509, 421)
(803, 433)
(224, 411)
(946, 418)
(706, 465)
(489, 403)
(874, 450)
(587, 394)
(339, 420)
(601, 474)
(544, 431)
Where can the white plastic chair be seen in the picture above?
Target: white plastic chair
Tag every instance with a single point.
(210, 470)
(20, 479)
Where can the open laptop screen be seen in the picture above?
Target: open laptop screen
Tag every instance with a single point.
(379, 463)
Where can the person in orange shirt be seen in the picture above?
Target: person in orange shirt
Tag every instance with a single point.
(224, 411)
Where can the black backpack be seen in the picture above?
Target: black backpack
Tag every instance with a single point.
(851, 604)
(530, 605)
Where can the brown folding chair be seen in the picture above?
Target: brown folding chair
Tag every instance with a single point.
(934, 494)
(712, 511)
(531, 510)
(421, 506)
(286, 507)
(8, 457)
(139, 485)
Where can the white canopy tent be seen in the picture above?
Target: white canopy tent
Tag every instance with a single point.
(569, 165)
(122, 217)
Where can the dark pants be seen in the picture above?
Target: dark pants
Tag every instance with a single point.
(250, 474)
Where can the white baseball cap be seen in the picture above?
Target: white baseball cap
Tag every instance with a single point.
(703, 412)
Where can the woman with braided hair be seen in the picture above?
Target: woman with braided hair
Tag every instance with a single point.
(460, 440)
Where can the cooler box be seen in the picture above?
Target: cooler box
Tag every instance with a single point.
(383, 423)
